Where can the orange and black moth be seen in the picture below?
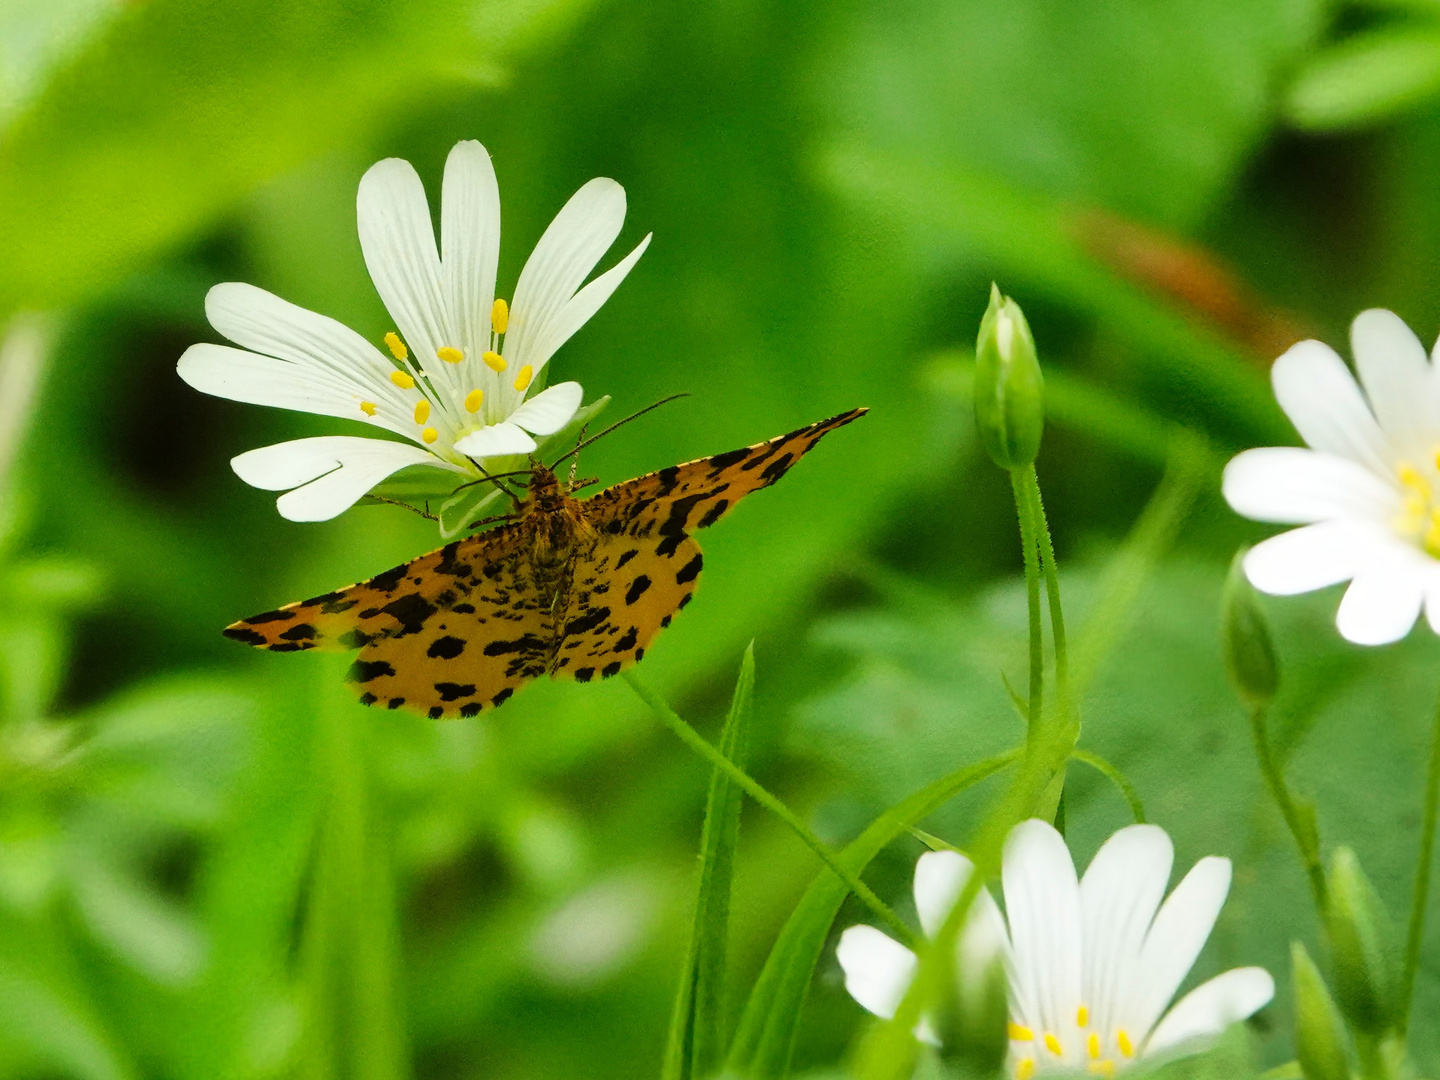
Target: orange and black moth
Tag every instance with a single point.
(573, 588)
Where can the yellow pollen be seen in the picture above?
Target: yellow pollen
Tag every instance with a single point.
(396, 346)
(422, 411)
(400, 379)
(1411, 478)
(368, 408)
(429, 434)
(1092, 1044)
(1101, 1068)
(1082, 1016)
(473, 400)
(500, 316)
(493, 360)
(1020, 1033)
(1024, 1069)
(1053, 1044)
(1122, 1040)
(449, 355)
(523, 379)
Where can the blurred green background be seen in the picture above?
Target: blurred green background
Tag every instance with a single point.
(213, 864)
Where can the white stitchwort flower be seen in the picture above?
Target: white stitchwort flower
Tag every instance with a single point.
(456, 377)
(1091, 964)
(1367, 491)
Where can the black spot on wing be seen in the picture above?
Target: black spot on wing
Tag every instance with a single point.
(583, 624)
(471, 708)
(436, 712)
(720, 462)
(637, 589)
(626, 643)
(270, 616)
(584, 674)
(362, 671)
(610, 669)
(356, 639)
(713, 514)
(691, 570)
(368, 699)
(387, 581)
(464, 609)
(395, 703)
(527, 643)
(303, 632)
(503, 696)
(446, 648)
(411, 611)
(449, 691)
(626, 557)
(777, 468)
(239, 633)
(291, 646)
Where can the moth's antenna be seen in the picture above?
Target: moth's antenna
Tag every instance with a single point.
(618, 423)
(487, 477)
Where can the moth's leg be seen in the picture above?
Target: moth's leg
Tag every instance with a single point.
(575, 461)
(492, 520)
(583, 484)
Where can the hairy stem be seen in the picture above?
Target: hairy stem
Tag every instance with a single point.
(1295, 820)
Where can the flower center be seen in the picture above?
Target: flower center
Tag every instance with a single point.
(1419, 517)
(1043, 1050)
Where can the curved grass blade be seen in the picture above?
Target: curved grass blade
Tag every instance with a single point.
(696, 1022)
(763, 1043)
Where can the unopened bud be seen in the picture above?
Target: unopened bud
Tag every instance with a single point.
(1245, 639)
(1319, 1031)
(1366, 969)
(1009, 390)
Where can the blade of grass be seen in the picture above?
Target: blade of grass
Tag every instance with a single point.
(696, 1023)
(763, 1042)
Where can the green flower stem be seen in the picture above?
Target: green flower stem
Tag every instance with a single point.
(1421, 899)
(1024, 507)
(1052, 586)
(1295, 819)
(697, 742)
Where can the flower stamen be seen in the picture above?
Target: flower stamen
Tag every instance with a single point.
(1101, 1068)
(402, 380)
(422, 411)
(473, 400)
(396, 346)
(500, 316)
(522, 381)
(1019, 1032)
(1122, 1040)
(1053, 1044)
(1092, 1045)
(1024, 1068)
(1082, 1016)
(429, 435)
(493, 360)
(449, 354)
(368, 408)
(1419, 517)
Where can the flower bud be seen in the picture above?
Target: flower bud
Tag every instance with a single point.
(1319, 1031)
(1009, 391)
(1245, 639)
(1366, 968)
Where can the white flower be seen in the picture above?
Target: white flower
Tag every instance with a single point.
(454, 379)
(1365, 491)
(1091, 964)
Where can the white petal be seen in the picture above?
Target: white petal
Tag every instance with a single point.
(1318, 393)
(336, 470)
(550, 410)
(1175, 939)
(1381, 604)
(877, 969)
(586, 303)
(263, 322)
(1310, 557)
(470, 237)
(494, 441)
(1287, 484)
(263, 380)
(580, 234)
(1119, 895)
(398, 241)
(1212, 1007)
(1042, 901)
(1397, 378)
(940, 877)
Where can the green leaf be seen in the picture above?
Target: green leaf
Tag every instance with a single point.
(466, 507)
(1366, 78)
(697, 1021)
(766, 1035)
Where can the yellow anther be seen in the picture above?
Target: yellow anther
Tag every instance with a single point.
(493, 360)
(368, 408)
(1082, 1016)
(1101, 1068)
(500, 316)
(422, 411)
(473, 400)
(1019, 1032)
(1053, 1044)
(1024, 1069)
(1122, 1040)
(1435, 456)
(449, 355)
(402, 380)
(396, 346)
(429, 434)
(1411, 478)
(523, 379)
(1092, 1045)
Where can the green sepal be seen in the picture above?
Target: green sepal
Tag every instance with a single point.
(467, 506)
(1366, 967)
(417, 484)
(1319, 1031)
